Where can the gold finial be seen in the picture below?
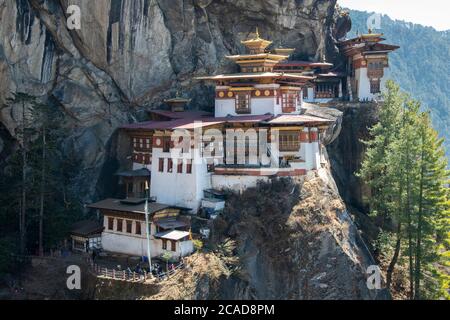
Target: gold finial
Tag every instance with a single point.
(257, 33)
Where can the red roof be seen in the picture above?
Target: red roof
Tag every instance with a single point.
(173, 124)
(245, 119)
(193, 123)
(304, 64)
(298, 119)
(181, 115)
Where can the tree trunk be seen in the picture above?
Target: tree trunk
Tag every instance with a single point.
(394, 260)
(41, 210)
(22, 227)
(409, 220)
(419, 229)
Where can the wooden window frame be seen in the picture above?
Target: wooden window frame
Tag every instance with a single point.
(161, 165)
(164, 244)
(119, 227)
(290, 141)
(166, 141)
(243, 99)
(111, 224)
(180, 166)
(375, 86)
(170, 165)
(129, 226)
(289, 102)
(138, 228)
(189, 168)
(173, 246)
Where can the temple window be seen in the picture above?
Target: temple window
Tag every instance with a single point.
(173, 246)
(189, 168)
(170, 166)
(119, 225)
(375, 86)
(375, 69)
(138, 228)
(164, 244)
(166, 144)
(180, 167)
(289, 102)
(243, 103)
(161, 165)
(111, 224)
(327, 90)
(289, 141)
(129, 226)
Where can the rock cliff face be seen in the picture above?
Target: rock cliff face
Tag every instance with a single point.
(131, 54)
(127, 57)
(314, 252)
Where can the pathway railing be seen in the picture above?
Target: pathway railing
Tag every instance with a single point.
(133, 276)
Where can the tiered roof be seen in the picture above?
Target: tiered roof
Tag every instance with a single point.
(366, 43)
(203, 122)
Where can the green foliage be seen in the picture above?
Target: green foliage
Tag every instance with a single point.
(198, 245)
(39, 130)
(7, 249)
(405, 168)
(420, 66)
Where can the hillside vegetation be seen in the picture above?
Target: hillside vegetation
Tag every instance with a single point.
(420, 66)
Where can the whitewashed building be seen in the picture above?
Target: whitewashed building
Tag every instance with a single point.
(258, 132)
(125, 230)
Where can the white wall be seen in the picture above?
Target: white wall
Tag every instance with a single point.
(136, 245)
(258, 106)
(236, 183)
(180, 189)
(224, 107)
(363, 84)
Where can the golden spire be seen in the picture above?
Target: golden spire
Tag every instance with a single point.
(257, 44)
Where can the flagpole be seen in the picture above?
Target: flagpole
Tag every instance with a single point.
(148, 227)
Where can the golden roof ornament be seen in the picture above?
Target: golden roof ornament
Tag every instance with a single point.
(257, 44)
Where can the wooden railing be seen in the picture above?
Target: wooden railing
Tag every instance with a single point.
(132, 276)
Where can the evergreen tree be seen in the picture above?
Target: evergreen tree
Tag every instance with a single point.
(405, 167)
(433, 207)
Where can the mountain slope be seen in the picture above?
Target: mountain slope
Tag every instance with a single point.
(420, 66)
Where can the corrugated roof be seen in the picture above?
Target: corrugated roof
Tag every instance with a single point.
(172, 235)
(298, 119)
(304, 64)
(181, 115)
(255, 75)
(187, 124)
(190, 124)
(86, 228)
(171, 224)
(135, 173)
(117, 205)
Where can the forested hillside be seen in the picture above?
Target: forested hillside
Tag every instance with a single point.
(421, 66)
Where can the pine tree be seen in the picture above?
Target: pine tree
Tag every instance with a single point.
(405, 167)
(380, 171)
(433, 204)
